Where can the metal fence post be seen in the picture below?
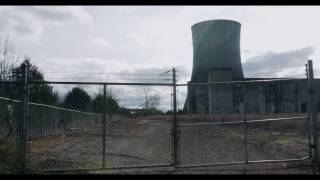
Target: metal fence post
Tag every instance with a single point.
(309, 120)
(244, 119)
(41, 121)
(23, 124)
(54, 121)
(104, 127)
(175, 123)
(313, 114)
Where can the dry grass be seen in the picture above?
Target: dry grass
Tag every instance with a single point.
(9, 163)
(285, 137)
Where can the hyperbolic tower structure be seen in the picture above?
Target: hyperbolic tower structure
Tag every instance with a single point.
(216, 57)
(216, 44)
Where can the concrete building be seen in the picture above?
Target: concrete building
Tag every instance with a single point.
(216, 58)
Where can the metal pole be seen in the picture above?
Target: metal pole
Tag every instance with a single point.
(23, 129)
(307, 72)
(243, 109)
(309, 120)
(54, 121)
(41, 121)
(104, 127)
(175, 122)
(313, 114)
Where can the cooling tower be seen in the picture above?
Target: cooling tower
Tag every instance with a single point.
(216, 45)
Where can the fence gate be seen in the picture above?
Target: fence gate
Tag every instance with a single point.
(137, 125)
(128, 132)
(248, 132)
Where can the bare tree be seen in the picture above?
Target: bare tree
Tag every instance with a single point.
(9, 58)
(152, 99)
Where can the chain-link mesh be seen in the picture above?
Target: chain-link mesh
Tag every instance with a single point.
(92, 126)
(233, 123)
(69, 134)
(210, 144)
(10, 111)
(276, 140)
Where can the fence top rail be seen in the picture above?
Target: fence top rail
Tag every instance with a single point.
(100, 83)
(53, 107)
(240, 122)
(238, 82)
(7, 99)
(153, 84)
(10, 82)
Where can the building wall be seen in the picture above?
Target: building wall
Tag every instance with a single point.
(197, 99)
(259, 98)
(220, 95)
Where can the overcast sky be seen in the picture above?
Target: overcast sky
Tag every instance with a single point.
(153, 39)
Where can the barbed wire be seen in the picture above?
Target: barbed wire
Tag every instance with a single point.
(62, 71)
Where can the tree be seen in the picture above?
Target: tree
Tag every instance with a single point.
(152, 100)
(111, 103)
(77, 99)
(8, 60)
(38, 92)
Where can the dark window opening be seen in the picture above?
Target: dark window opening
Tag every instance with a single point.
(304, 107)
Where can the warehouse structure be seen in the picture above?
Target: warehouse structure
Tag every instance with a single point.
(216, 58)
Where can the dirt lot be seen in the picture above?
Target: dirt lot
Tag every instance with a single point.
(147, 141)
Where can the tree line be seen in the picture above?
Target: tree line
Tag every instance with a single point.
(76, 98)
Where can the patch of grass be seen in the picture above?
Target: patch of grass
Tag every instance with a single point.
(285, 141)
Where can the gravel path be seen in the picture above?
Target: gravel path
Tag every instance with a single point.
(148, 142)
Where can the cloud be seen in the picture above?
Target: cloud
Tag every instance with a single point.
(21, 20)
(92, 69)
(272, 64)
(100, 43)
(62, 15)
(140, 39)
(99, 69)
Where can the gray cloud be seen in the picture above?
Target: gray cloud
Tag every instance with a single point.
(33, 20)
(272, 64)
(144, 37)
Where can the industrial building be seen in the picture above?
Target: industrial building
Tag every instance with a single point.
(216, 58)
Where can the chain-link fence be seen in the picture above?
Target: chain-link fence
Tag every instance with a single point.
(249, 123)
(86, 125)
(99, 126)
(10, 111)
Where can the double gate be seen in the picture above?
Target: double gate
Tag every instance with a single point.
(134, 133)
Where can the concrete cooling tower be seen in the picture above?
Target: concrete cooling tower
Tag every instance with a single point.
(216, 44)
(216, 57)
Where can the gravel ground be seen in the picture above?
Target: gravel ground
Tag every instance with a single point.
(148, 142)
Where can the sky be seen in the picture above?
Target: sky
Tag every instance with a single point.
(79, 42)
